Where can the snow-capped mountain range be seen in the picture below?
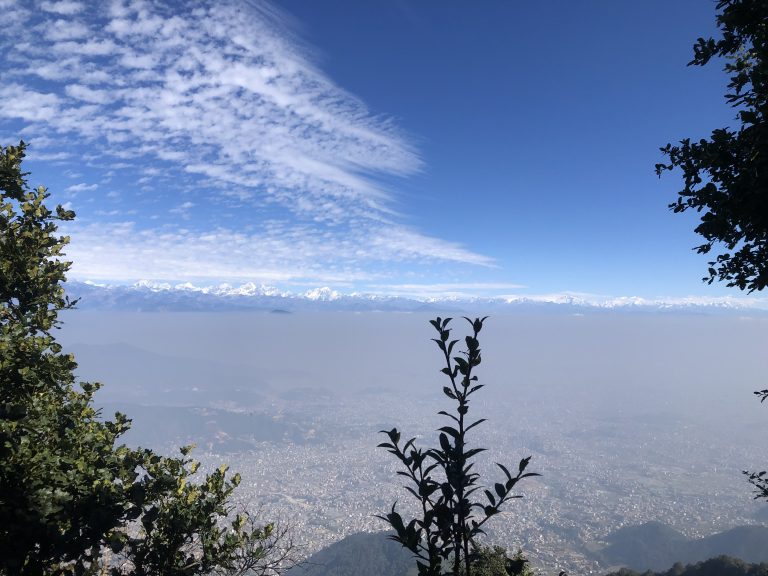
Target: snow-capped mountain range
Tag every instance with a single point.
(156, 296)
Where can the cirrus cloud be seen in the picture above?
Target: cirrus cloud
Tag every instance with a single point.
(225, 103)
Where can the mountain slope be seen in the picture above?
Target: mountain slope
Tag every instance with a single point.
(361, 554)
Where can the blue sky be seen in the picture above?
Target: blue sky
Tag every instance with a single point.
(417, 148)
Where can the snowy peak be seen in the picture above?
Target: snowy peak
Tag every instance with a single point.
(151, 295)
(324, 294)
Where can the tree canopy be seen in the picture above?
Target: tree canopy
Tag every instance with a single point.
(62, 483)
(72, 499)
(726, 176)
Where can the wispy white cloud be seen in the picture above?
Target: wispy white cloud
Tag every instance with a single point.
(81, 187)
(63, 7)
(446, 289)
(49, 157)
(222, 86)
(87, 94)
(402, 243)
(28, 104)
(66, 30)
(274, 251)
(182, 209)
(223, 101)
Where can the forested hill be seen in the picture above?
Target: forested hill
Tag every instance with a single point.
(720, 566)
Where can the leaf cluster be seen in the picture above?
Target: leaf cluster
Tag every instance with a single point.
(726, 176)
(182, 527)
(494, 561)
(454, 506)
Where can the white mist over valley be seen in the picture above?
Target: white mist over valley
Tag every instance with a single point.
(629, 418)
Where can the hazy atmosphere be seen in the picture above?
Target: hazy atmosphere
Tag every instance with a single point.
(620, 363)
(624, 418)
(232, 233)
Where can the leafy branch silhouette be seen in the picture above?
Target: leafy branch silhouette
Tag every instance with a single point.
(442, 478)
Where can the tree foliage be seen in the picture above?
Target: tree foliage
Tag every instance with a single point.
(494, 561)
(719, 566)
(726, 176)
(442, 479)
(62, 482)
(72, 499)
(759, 479)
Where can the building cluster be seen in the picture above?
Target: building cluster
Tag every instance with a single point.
(597, 477)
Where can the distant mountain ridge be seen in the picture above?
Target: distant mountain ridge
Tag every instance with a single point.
(655, 546)
(159, 296)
